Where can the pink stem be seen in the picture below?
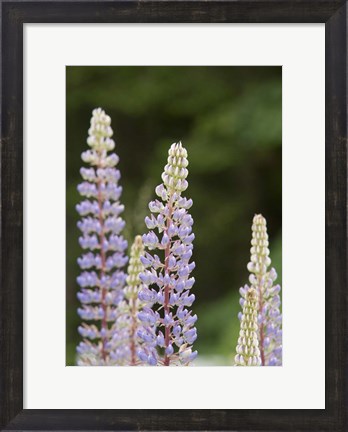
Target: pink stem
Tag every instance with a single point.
(104, 324)
(166, 292)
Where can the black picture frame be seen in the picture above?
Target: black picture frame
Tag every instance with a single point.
(13, 15)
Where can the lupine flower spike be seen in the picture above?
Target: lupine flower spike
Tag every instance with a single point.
(168, 331)
(126, 340)
(248, 353)
(262, 280)
(102, 278)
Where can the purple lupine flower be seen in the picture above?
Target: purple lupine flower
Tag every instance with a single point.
(125, 338)
(262, 280)
(168, 330)
(102, 278)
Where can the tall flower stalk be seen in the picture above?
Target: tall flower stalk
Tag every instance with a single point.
(102, 278)
(248, 352)
(262, 280)
(168, 330)
(125, 338)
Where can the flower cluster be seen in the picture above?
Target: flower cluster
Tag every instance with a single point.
(248, 353)
(262, 280)
(145, 317)
(126, 340)
(102, 278)
(167, 331)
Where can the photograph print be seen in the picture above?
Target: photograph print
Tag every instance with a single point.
(173, 216)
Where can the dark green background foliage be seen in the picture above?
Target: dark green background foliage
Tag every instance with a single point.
(229, 119)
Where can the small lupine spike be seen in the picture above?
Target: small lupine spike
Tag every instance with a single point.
(102, 278)
(262, 280)
(248, 352)
(127, 324)
(167, 322)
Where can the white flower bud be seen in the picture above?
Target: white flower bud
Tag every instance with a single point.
(248, 346)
